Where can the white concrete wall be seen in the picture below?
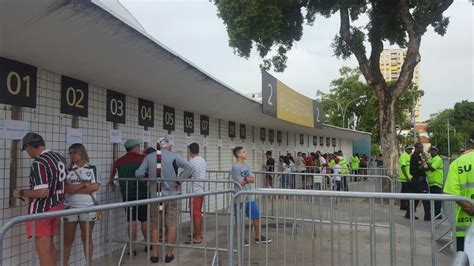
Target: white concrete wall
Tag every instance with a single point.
(47, 120)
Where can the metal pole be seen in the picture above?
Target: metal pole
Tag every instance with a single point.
(449, 141)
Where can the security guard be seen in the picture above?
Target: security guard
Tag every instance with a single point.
(460, 182)
(404, 176)
(355, 161)
(435, 170)
(419, 183)
(344, 169)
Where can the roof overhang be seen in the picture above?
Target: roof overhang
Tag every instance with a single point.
(93, 43)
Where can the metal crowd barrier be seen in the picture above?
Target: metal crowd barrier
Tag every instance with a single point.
(214, 240)
(337, 228)
(318, 181)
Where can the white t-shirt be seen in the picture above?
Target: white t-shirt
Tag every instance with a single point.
(88, 174)
(199, 172)
(337, 172)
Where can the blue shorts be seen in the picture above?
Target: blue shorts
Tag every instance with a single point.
(251, 210)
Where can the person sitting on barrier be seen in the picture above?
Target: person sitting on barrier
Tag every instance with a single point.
(82, 182)
(170, 163)
(148, 169)
(195, 204)
(269, 167)
(460, 182)
(404, 176)
(435, 170)
(242, 173)
(131, 190)
(46, 193)
(336, 175)
(419, 183)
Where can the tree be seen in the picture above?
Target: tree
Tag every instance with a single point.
(463, 119)
(272, 26)
(438, 130)
(349, 87)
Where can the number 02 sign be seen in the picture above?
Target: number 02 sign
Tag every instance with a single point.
(74, 96)
(17, 83)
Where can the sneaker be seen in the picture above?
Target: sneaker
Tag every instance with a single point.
(408, 217)
(169, 259)
(246, 243)
(262, 240)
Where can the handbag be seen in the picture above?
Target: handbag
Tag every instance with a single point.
(100, 214)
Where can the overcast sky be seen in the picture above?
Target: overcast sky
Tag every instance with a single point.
(192, 29)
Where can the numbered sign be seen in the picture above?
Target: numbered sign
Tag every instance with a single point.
(204, 125)
(146, 113)
(74, 96)
(269, 94)
(271, 135)
(243, 131)
(315, 141)
(262, 134)
(168, 118)
(334, 142)
(279, 136)
(188, 122)
(318, 114)
(17, 83)
(115, 107)
(328, 142)
(301, 139)
(231, 130)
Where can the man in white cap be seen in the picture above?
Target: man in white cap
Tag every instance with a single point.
(170, 163)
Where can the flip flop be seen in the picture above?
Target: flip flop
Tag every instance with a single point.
(192, 242)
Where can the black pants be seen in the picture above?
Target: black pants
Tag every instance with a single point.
(419, 185)
(345, 186)
(406, 188)
(459, 243)
(437, 203)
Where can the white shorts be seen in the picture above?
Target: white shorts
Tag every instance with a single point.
(83, 217)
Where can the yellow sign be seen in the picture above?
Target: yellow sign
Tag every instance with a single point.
(293, 106)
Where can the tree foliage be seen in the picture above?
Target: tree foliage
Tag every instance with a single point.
(349, 87)
(461, 123)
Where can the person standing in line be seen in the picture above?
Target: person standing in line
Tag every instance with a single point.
(195, 205)
(82, 183)
(46, 193)
(149, 169)
(336, 175)
(301, 168)
(404, 176)
(242, 173)
(459, 182)
(308, 161)
(269, 167)
(125, 167)
(419, 183)
(286, 179)
(171, 162)
(435, 171)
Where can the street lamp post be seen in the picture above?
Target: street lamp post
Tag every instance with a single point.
(339, 106)
(345, 108)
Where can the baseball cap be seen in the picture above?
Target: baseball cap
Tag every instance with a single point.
(408, 147)
(131, 142)
(30, 138)
(165, 142)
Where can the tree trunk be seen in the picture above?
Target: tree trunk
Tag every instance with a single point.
(388, 133)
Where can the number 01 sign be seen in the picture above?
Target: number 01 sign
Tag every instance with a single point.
(17, 83)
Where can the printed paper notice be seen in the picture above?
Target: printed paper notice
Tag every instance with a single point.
(14, 129)
(146, 136)
(189, 140)
(219, 142)
(204, 142)
(115, 136)
(231, 144)
(73, 135)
